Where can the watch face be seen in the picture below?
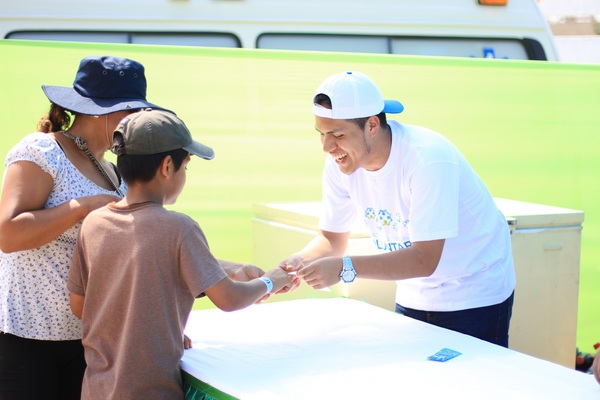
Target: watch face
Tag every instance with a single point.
(348, 276)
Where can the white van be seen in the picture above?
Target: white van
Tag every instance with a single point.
(514, 29)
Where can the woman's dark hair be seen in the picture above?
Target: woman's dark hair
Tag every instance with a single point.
(324, 101)
(142, 168)
(57, 119)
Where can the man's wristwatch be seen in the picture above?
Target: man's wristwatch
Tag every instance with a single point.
(347, 274)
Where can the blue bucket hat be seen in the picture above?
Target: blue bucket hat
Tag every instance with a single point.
(103, 85)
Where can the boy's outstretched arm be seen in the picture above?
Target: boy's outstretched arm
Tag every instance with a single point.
(231, 295)
(246, 272)
(241, 272)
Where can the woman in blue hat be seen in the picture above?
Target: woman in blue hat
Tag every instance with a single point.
(53, 179)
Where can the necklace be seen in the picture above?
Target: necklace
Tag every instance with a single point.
(82, 145)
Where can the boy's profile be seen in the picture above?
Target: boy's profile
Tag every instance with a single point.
(137, 267)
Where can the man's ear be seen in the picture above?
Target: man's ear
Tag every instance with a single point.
(373, 125)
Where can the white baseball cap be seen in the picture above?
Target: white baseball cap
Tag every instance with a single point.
(353, 95)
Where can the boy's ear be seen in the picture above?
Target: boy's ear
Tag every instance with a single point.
(166, 167)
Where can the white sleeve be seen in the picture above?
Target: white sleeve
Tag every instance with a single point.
(339, 212)
(38, 148)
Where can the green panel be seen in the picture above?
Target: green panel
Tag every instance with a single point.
(531, 129)
(195, 389)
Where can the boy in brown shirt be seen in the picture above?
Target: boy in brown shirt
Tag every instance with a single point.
(138, 267)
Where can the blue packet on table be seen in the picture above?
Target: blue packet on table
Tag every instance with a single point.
(444, 354)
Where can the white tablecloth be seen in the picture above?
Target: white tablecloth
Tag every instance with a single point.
(348, 349)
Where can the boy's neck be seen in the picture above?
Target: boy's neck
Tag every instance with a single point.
(141, 193)
(121, 205)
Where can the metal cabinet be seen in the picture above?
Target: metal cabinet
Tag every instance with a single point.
(546, 245)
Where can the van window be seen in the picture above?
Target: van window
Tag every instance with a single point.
(459, 47)
(343, 43)
(429, 46)
(106, 37)
(187, 39)
(162, 38)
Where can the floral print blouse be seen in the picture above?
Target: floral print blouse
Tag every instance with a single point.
(34, 300)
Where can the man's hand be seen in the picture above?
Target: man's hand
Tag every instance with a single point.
(291, 264)
(322, 273)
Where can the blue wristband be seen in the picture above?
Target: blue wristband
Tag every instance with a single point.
(267, 282)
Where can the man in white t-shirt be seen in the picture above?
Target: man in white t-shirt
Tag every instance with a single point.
(442, 237)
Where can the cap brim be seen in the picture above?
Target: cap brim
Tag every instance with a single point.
(392, 107)
(69, 99)
(389, 107)
(200, 150)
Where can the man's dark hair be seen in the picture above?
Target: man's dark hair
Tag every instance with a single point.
(324, 101)
(142, 168)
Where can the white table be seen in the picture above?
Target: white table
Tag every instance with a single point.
(347, 349)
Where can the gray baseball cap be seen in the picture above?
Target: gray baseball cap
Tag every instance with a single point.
(151, 131)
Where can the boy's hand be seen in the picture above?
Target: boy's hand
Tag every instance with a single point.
(245, 273)
(187, 342)
(282, 281)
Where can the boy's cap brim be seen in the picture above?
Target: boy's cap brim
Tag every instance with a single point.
(200, 150)
(157, 131)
